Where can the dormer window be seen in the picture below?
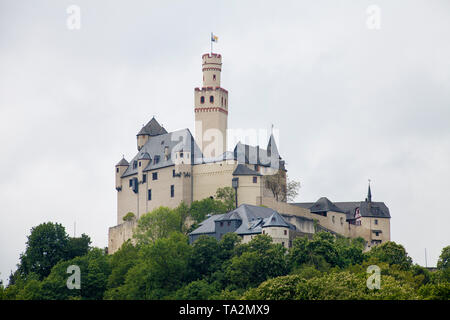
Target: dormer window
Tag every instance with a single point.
(134, 164)
(211, 99)
(202, 99)
(156, 159)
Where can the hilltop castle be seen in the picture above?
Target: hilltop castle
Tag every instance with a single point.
(172, 167)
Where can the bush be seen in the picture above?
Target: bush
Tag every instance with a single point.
(129, 216)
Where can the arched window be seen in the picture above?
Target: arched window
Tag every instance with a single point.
(202, 99)
(211, 99)
(222, 101)
(214, 77)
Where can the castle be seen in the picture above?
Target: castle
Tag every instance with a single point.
(174, 167)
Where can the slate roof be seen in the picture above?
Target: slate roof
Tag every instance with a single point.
(275, 220)
(144, 156)
(253, 219)
(243, 170)
(207, 226)
(366, 209)
(323, 205)
(181, 140)
(122, 162)
(152, 128)
(247, 154)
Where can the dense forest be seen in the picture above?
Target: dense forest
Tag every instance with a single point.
(161, 264)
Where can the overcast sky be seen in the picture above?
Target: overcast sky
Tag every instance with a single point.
(350, 103)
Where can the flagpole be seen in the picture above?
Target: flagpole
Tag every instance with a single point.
(211, 39)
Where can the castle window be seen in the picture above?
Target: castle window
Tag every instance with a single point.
(211, 99)
(222, 101)
(214, 77)
(342, 221)
(155, 176)
(117, 170)
(131, 182)
(332, 218)
(181, 154)
(134, 164)
(149, 194)
(285, 232)
(173, 173)
(144, 178)
(156, 159)
(139, 163)
(172, 191)
(377, 234)
(202, 99)
(282, 244)
(255, 179)
(376, 221)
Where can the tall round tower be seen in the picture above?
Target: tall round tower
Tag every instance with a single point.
(211, 108)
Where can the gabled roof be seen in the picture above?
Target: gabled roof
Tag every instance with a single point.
(152, 128)
(144, 156)
(275, 220)
(243, 170)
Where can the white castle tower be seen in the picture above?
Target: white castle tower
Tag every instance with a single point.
(211, 108)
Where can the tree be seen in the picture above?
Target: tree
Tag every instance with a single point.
(95, 270)
(157, 224)
(183, 213)
(196, 290)
(391, 253)
(205, 257)
(47, 244)
(201, 208)
(77, 247)
(121, 262)
(444, 259)
(260, 261)
(283, 189)
(277, 184)
(320, 252)
(292, 188)
(227, 246)
(228, 196)
(161, 269)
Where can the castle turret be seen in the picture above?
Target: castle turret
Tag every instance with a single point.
(211, 108)
(120, 169)
(151, 129)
